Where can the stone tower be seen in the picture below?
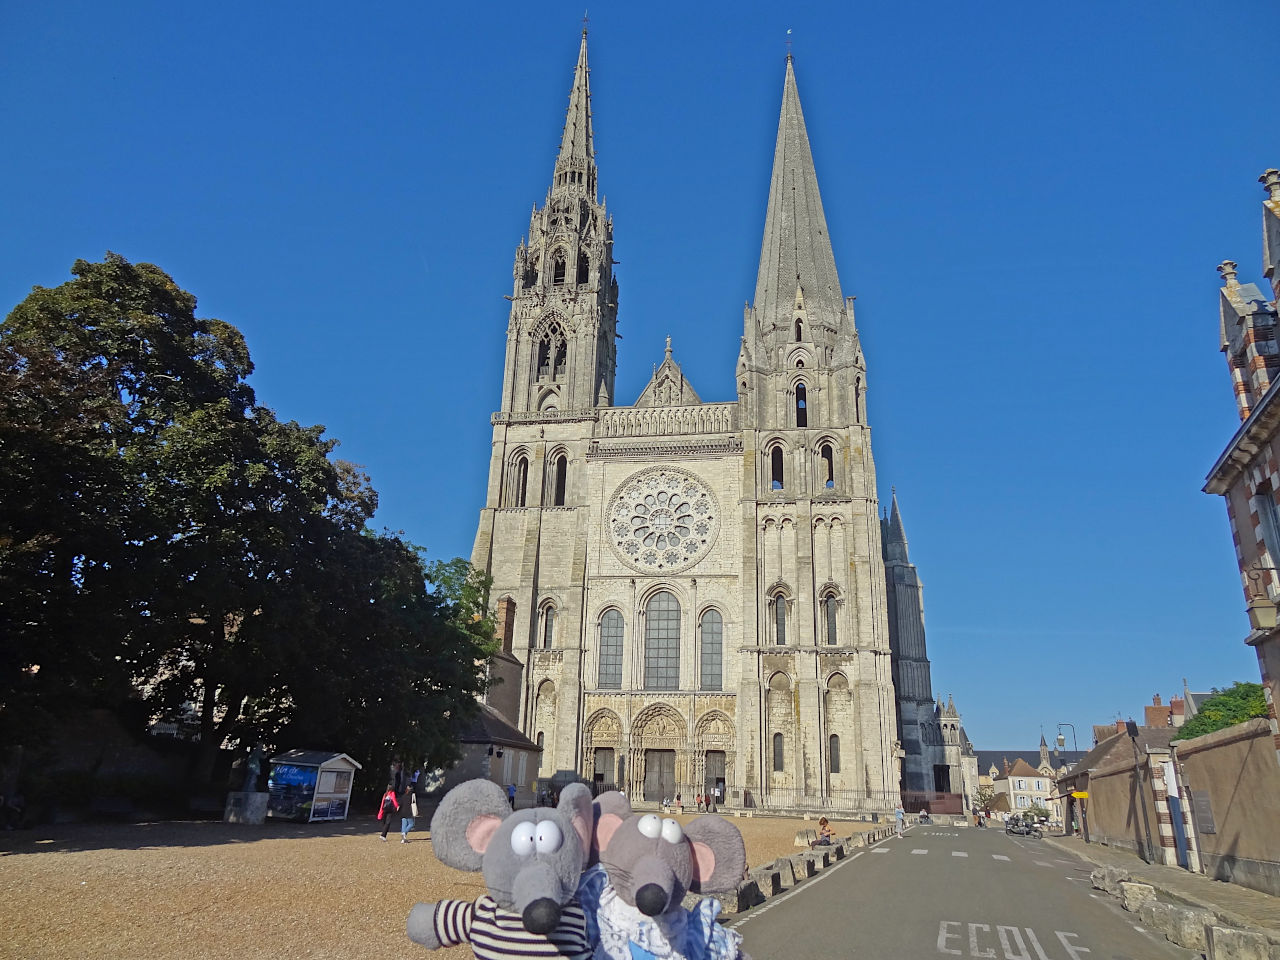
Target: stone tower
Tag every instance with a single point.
(930, 732)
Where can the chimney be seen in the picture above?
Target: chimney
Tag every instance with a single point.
(1155, 700)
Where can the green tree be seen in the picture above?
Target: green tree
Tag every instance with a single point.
(1239, 702)
(984, 798)
(165, 539)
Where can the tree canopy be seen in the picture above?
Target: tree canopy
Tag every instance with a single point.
(167, 542)
(1239, 702)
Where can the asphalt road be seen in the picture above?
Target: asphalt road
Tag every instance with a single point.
(951, 892)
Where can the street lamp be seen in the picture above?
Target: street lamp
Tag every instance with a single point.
(1062, 739)
(1261, 608)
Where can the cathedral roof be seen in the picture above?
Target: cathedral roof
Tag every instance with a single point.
(796, 253)
(668, 387)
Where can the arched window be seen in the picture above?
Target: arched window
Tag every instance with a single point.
(802, 403)
(539, 739)
(829, 465)
(557, 270)
(799, 329)
(559, 477)
(544, 357)
(662, 642)
(712, 650)
(833, 753)
(610, 674)
(857, 401)
(519, 481)
(829, 608)
(780, 619)
(531, 274)
(548, 627)
(584, 268)
(561, 352)
(775, 468)
(778, 759)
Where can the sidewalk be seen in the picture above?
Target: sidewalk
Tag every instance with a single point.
(1236, 905)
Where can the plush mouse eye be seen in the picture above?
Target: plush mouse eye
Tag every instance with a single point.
(549, 837)
(523, 841)
(650, 825)
(671, 831)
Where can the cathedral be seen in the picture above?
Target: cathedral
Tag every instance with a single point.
(701, 597)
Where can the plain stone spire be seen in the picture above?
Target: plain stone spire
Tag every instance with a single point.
(575, 172)
(796, 251)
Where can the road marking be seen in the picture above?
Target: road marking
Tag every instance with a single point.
(1016, 943)
(1138, 928)
(919, 851)
(1079, 879)
(959, 853)
(804, 885)
(998, 856)
(1043, 863)
(880, 850)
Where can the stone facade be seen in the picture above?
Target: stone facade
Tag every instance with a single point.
(1247, 474)
(691, 596)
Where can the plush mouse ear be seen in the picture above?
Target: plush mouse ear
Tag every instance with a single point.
(719, 855)
(575, 805)
(466, 821)
(610, 809)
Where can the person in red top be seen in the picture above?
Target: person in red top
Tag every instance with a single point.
(389, 809)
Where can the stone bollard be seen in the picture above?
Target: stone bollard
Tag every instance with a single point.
(1187, 927)
(1113, 877)
(1098, 877)
(820, 857)
(768, 878)
(803, 866)
(786, 872)
(1132, 895)
(805, 838)
(1228, 943)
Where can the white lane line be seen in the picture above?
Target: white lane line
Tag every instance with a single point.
(919, 851)
(803, 885)
(1042, 863)
(1079, 879)
(1138, 928)
(998, 856)
(959, 853)
(880, 850)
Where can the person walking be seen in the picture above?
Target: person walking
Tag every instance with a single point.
(511, 795)
(407, 822)
(389, 808)
(900, 816)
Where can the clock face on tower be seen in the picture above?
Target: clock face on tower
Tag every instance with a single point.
(662, 520)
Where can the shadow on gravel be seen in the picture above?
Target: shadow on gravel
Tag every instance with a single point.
(60, 838)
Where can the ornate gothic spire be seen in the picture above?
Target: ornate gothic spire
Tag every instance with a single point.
(575, 173)
(795, 257)
(895, 538)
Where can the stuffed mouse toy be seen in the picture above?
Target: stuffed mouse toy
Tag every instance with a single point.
(532, 861)
(632, 898)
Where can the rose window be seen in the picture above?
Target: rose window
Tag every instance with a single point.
(662, 519)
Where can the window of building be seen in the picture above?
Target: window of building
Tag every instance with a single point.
(539, 739)
(662, 642)
(712, 650)
(775, 465)
(829, 465)
(1039, 786)
(584, 268)
(780, 620)
(857, 400)
(561, 355)
(559, 474)
(802, 403)
(1022, 784)
(1264, 505)
(799, 330)
(829, 608)
(544, 357)
(610, 674)
(557, 270)
(833, 753)
(519, 480)
(778, 758)
(1024, 802)
(548, 627)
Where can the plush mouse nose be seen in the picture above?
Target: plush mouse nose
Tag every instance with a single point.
(651, 899)
(541, 916)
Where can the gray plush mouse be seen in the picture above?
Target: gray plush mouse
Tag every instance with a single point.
(647, 863)
(531, 861)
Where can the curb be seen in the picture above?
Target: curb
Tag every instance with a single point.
(1222, 913)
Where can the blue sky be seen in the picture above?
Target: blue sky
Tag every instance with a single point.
(1028, 202)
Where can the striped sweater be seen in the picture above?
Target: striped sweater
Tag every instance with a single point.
(497, 934)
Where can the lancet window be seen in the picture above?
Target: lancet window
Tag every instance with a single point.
(802, 405)
(712, 651)
(662, 642)
(610, 672)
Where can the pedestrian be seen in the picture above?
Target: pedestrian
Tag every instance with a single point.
(679, 805)
(900, 816)
(825, 833)
(389, 808)
(698, 800)
(511, 795)
(406, 823)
